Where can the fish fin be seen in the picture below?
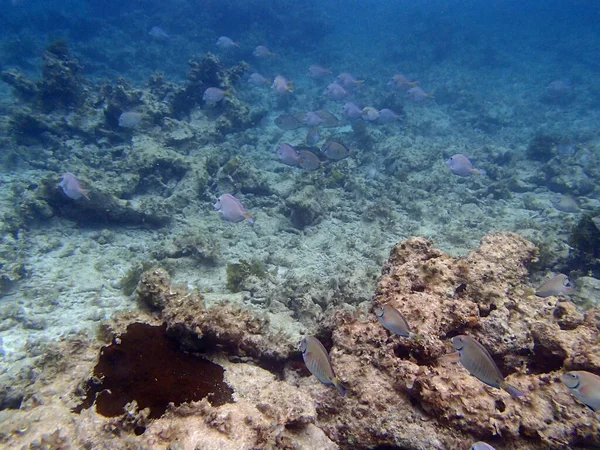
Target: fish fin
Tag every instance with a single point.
(339, 386)
(451, 357)
(513, 391)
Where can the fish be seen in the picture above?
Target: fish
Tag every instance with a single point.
(315, 71)
(416, 94)
(311, 119)
(477, 360)
(288, 154)
(559, 284)
(335, 150)
(313, 136)
(369, 114)
(308, 160)
(351, 111)
(565, 203)
(288, 122)
(394, 321)
(256, 79)
(130, 119)
(335, 91)
(460, 165)
(481, 446)
(281, 85)
(318, 362)
(225, 43)
(71, 187)
(402, 83)
(585, 387)
(262, 52)
(231, 209)
(159, 34)
(328, 120)
(214, 95)
(347, 81)
(387, 116)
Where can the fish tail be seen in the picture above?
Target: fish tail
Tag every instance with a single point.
(85, 193)
(431, 95)
(249, 217)
(529, 292)
(339, 386)
(511, 390)
(360, 81)
(414, 83)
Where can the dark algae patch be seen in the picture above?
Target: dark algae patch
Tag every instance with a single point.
(146, 365)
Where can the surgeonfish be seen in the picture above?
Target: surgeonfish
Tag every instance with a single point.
(335, 91)
(308, 160)
(71, 187)
(287, 154)
(460, 165)
(402, 83)
(387, 116)
(559, 284)
(317, 361)
(393, 320)
(565, 203)
(225, 43)
(231, 209)
(311, 119)
(256, 79)
(416, 94)
(318, 72)
(347, 81)
(585, 387)
(477, 360)
(130, 119)
(351, 111)
(313, 136)
(335, 150)
(262, 52)
(481, 446)
(281, 85)
(214, 95)
(288, 122)
(369, 114)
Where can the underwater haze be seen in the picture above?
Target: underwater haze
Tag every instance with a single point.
(270, 154)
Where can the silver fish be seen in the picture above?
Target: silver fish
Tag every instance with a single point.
(312, 137)
(565, 203)
(585, 387)
(393, 320)
(335, 150)
(308, 160)
(477, 360)
(317, 361)
(481, 446)
(557, 285)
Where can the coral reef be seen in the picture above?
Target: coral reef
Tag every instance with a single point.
(401, 393)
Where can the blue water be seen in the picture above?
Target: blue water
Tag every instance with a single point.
(512, 85)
